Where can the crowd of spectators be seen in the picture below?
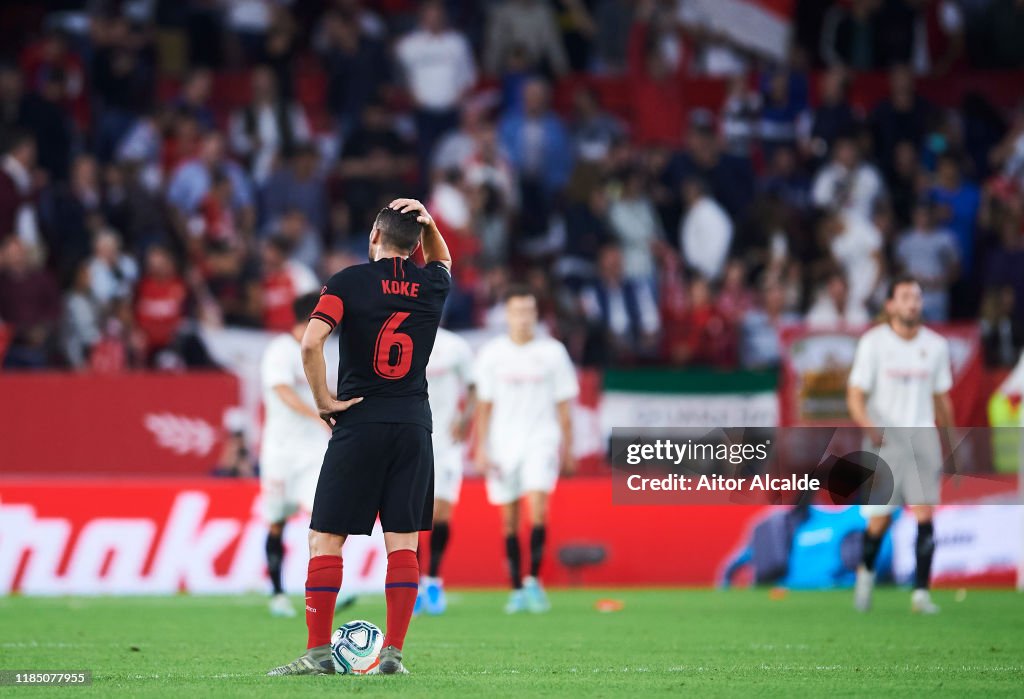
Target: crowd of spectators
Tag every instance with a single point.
(130, 217)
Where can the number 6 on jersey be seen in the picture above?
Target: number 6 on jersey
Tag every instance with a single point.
(392, 353)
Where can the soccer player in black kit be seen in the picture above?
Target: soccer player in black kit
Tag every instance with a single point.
(379, 460)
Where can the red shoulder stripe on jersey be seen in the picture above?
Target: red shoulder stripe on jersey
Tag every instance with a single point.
(329, 309)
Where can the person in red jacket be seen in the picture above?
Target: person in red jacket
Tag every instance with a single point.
(160, 301)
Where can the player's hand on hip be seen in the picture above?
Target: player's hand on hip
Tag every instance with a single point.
(482, 464)
(333, 407)
(875, 435)
(567, 462)
(459, 430)
(406, 205)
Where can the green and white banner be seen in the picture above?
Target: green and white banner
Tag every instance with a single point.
(688, 398)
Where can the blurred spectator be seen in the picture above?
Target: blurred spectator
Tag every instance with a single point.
(357, 67)
(494, 195)
(1008, 154)
(587, 231)
(302, 237)
(373, 162)
(282, 281)
(536, 140)
(834, 116)
(44, 115)
(578, 31)
(729, 179)
(905, 181)
(459, 145)
(760, 347)
(71, 213)
(958, 201)
(847, 183)
(849, 35)
(1002, 334)
(194, 99)
(280, 48)
(705, 232)
(855, 244)
(297, 185)
(30, 305)
(931, 255)
(18, 192)
(192, 181)
(704, 336)
(233, 283)
(940, 46)
(622, 313)
(902, 116)
(122, 75)
(214, 220)
(784, 99)
(269, 127)
(740, 115)
(594, 130)
(82, 318)
(1006, 260)
(112, 273)
(138, 212)
(634, 222)
(734, 298)
(610, 41)
(833, 306)
(527, 25)
(785, 180)
(142, 145)
(51, 58)
(439, 68)
(160, 303)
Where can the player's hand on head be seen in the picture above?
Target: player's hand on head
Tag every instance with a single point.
(329, 411)
(406, 205)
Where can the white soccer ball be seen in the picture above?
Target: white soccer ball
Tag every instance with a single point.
(355, 646)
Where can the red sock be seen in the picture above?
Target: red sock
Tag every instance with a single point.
(323, 580)
(400, 587)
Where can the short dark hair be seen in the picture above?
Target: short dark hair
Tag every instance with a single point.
(517, 290)
(900, 280)
(303, 306)
(397, 230)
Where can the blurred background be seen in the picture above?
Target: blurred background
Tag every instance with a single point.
(708, 197)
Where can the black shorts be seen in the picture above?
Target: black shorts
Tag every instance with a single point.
(376, 468)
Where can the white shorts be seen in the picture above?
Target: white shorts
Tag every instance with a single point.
(285, 488)
(914, 456)
(535, 471)
(448, 468)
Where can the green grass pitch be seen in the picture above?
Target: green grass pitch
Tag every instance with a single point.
(678, 642)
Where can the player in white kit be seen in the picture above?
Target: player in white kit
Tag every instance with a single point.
(449, 384)
(897, 392)
(293, 445)
(525, 385)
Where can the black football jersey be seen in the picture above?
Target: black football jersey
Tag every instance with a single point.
(388, 312)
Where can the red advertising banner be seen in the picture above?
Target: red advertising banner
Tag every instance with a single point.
(159, 424)
(151, 536)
